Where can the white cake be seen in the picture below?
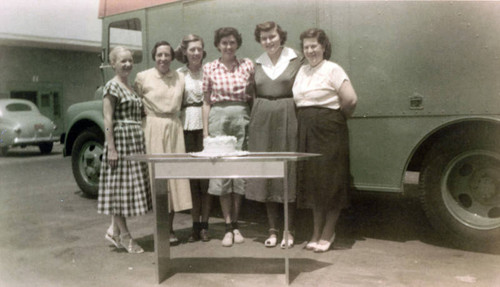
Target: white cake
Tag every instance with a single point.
(219, 145)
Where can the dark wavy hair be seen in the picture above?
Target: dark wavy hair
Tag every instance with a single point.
(322, 38)
(180, 52)
(224, 32)
(268, 26)
(162, 43)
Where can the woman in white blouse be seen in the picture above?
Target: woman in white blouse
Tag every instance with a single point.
(191, 52)
(325, 99)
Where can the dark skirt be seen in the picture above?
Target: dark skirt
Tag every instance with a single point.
(323, 181)
(193, 140)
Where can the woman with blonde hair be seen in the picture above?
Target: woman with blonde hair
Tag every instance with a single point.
(124, 189)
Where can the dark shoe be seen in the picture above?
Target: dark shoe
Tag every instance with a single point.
(195, 234)
(204, 235)
(194, 237)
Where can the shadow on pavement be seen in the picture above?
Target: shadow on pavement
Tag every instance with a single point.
(244, 265)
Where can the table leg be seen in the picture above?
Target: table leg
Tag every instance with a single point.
(285, 204)
(162, 228)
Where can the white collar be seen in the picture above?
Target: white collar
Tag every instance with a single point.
(274, 71)
(286, 55)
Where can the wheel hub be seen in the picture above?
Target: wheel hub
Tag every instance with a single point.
(484, 187)
(91, 162)
(471, 189)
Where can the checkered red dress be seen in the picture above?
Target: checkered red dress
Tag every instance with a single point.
(124, 190)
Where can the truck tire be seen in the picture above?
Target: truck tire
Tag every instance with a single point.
(460, 188)
(86, 161)
(46, 148)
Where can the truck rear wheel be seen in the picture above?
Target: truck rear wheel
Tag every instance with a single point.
(460, 184)
(86, 161)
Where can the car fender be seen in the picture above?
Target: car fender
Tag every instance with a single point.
(80, 117)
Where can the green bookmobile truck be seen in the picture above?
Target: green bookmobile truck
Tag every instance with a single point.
(427, 74)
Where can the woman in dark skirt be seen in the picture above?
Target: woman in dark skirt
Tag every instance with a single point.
(273, 123)
(325, 99)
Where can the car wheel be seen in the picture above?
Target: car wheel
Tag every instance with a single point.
(4, 150)
(46, 148)
(86, 161)
(460, 185)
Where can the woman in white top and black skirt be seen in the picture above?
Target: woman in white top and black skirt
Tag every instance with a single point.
(325, 99)
(191, 52)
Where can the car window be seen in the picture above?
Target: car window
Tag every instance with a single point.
(17, 107)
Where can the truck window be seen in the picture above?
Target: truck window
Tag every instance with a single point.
(127, 33)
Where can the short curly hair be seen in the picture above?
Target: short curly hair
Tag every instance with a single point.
(267, 26)
(224, 32)
(322, 38)
(162, 43)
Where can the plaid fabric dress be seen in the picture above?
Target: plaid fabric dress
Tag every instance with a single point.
(124, 190)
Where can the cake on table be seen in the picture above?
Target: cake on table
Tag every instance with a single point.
(220, 146)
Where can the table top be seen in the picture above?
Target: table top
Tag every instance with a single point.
(251, 156)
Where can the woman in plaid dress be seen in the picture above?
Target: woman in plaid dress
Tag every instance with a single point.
(123, 185)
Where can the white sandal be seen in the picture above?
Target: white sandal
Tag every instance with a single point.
(272, 240)
(290, 241)
(114, 239)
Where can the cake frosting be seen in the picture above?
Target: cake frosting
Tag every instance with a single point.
(219, 145)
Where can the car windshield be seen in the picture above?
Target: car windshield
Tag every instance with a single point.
(18, 107)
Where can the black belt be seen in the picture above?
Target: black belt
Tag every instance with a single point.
(192, 105)
(274, 98)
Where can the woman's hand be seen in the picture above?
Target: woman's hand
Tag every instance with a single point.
(112, 157)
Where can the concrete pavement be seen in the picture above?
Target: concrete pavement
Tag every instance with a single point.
(52, 236)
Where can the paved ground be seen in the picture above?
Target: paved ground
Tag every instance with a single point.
(52, 236)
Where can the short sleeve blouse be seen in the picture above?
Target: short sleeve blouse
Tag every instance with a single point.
(222, 84)
(128, 106)
(160, 93)
(319, 86)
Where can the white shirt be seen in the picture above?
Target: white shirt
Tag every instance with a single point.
(274, 71)
(191, 116)
(319, 86)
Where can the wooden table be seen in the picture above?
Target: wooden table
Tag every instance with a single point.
(189, 166)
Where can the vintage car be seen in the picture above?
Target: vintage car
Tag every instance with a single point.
(22, 124)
